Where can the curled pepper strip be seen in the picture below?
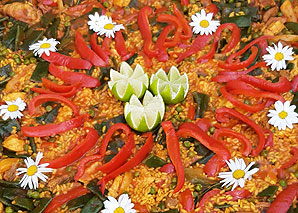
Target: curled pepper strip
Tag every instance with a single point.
(120, 46)
(238, 194)
(85, 52)
(53, 129)
(292, 160)
(82, 164)
(174, 153)
(134, 161)
(64, 60)
(40, 99)
(64, 94)
(76, 153)
(185, 2)
(186, 29)
(162, 52)
(51, 85)
(223, 114)
(246, 145)
(284, 199)
(187, 201)
(106, 45)
(74, 77)
(258, 93)
(206, 198)
(64, 198)
(97, 49)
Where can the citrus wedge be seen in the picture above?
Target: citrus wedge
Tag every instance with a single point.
(144, 117)
(172, 87)
(127, 82)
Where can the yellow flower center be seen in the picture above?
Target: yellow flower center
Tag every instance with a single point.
(279, 56)
(204, 23)
(238, 174)
(45, 45)
(109, 26)
(283, 114)
(12, 108)
(31, 170)
(119, 210)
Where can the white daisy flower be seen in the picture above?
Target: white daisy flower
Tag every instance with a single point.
(202, 23)
(239, 173)
(278, 56)
(12, 109)
(283, 116)
(44, 46)
(103, 25)
(33, 172)
(123, 205)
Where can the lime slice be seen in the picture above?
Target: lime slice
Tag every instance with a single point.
(172, 87)
(128, 81)
(144, 117)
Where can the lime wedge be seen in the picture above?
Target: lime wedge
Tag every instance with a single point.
(172, 87)
(127, 82)
(144, 117)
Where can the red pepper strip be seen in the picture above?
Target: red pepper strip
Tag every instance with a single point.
(106, 45)
(74, 77)
(82, 9)
(171, 20)
(144, 27)
(295, 84)
(284, 199)
(263, 45)
(162, 52)
(191, 112)
(76, 153)
(223, 114)
(257, 93)
(236, 84)
(168, 168)
(204, 124)
(186, 29)
(49, 2)
(64, 198)
(246, 145)
(212, 8)
(85, 52)
(244, 49)
(269, 139)
(213, 166)
(82, 164)
(64, 94)
(243, 64)
(53, 129)
(120, 47)
(186, 199)
(292, 160)
(134, 161)
(64, 60)
(97, 48)
(51, 85)
(197, 45)
(174, 153)
(238, 194)
(185, 2)
(40, 99)
(240, 104)
(206, 198)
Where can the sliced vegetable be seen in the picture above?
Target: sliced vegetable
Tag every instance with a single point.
(202, 101)
(79, 202)
(269, 191)
(25, 203)
(153, 161)
(48, 117)
(93, 206)
(43, 203)
(41, 71)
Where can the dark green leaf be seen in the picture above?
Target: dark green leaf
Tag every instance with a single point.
(41, 71)
(202, 101)
(240, 21)
(268, 192)
(13, 154)
(31, 39)
(94, 188)
(108, 158)
(132, 59)
(6, 127)
(9, 38)
(206, 158)
(25, 203)
(292, 26)
(4, 82)
(11, 193)
(5, 70)
(201, 149)
(93, 206)
(51, 31)
(47, 19)
(32, 144)
(223, 206)
(19, 36)
(153, 161)
(43, 203)
(79, 202)
(48, 117)
(107, 124)
(9, 184)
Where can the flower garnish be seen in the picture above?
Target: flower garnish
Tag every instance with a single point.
(12, 109)
(123, 205)
(44, 46)
(283, 116)
(239, 173)
(203, 24)
(33, 172)
(103, 25)
(278, 56)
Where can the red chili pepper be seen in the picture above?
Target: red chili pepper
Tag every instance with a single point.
(174, 153)
(64, 94)
(76, 153)
(74, 77)
(97, 48)
(191, 112)
(51, 85)
(120, 47)
(106, 45)
(40, 99)
(243, 64)
(186, 199)
(292, 160)
(162, 52)
(168, 168)
(53, 129)
(64, 60)
(85, 52)
(185, 2)
(144, 27)
(64, 198)
(284, 199)
(186, 29)
(246, 145)
(223, 114)
(295, 84)
(134, 161)
(206, 198)
(238, 194)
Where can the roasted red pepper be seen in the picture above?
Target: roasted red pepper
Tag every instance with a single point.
(292, 160)
(78, 152)
(106, 45)
(258, 93)
(223, 114)
(186, 199)
(186, 29)
(174, 153)
(162, 52)
(204, 124)
(53, 129)
(284, 199)
(212, 8)
(168, 168)
(40, 99)
(238, 194)
(191, 112)
(64, 94)
(98, 49)
(74, 77)
(206, 198)
(64, 60)
(185, 2)
(51, 85)
(85, 52)
(82, 164)
(64, 198)
(269, 138)
(295, 84)
(120, 47)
